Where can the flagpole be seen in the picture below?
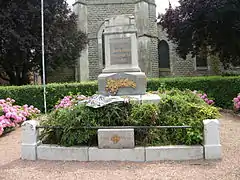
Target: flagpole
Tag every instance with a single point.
(43, 60)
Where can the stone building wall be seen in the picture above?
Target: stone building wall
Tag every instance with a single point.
(179, 66)
(98, 11)
(92, 14)
(154, 40)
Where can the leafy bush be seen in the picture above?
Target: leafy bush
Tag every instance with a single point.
(176, 108)
(221, 89)
(12, 115)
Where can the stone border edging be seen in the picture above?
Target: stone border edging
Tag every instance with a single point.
(32, 149)
(137, 154)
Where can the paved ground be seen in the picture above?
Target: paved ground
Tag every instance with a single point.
(12, 168)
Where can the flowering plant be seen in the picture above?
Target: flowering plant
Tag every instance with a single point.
(236, 103)
(69, 101)
(204, 97)
(13, 115)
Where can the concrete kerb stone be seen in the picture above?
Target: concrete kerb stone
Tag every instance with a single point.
(60, 153)
(136, 154)
(174, 153)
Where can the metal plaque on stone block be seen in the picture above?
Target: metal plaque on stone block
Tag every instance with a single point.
(116, 138)
(120, 51)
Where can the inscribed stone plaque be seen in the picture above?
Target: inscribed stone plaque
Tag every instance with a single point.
(116, 138)
(120, 51)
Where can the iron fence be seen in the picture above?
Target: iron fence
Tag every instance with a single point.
(117, 127)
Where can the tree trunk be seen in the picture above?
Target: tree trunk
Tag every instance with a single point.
(18, 77)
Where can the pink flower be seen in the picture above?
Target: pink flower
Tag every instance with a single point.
(204, 96)
(8, 115)
(236, 100)
(210, 102)
(8, 99)
(237, 106)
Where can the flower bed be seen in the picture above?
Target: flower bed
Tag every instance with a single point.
(13, 115)
(176, 108)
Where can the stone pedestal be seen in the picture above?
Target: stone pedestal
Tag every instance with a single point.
(128, 83)
(122, 75)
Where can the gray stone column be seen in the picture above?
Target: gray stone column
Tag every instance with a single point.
(144, 42)
(212, 146)
(82, 67)
(29, 140)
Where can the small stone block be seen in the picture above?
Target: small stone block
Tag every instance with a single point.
(53, 152)
(30, 132)
(172, 153)
(211, 132)
(116, 138)
(212, 152)
(134, 155)
(151, 98)
(29, 152)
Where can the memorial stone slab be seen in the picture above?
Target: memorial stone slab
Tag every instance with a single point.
(116, 138)
(120, 51)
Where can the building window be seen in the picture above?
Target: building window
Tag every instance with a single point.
(163, 55)
(201, 61)
(103, 50)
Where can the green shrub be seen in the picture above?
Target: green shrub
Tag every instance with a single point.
(33, 94)
(221, 89)
(176, 108)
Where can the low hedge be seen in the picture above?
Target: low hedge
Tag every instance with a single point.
(33, 94)
(222, 89)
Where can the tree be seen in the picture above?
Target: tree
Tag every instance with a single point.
(205, 26)
(20, 38)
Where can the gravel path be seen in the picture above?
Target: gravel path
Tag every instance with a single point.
(12, 168)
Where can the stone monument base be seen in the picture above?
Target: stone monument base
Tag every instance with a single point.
(123, 83)
(146, 98)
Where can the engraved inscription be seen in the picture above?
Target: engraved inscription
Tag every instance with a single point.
(120, 51)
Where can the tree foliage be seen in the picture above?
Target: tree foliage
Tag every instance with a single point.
(206, 26)
(20, 40)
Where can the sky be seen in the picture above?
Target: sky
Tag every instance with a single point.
(161, 4)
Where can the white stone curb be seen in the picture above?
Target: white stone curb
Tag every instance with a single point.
(32, 150)
(135, 155)
(53, 152)
(174, 153)
(138, 154)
